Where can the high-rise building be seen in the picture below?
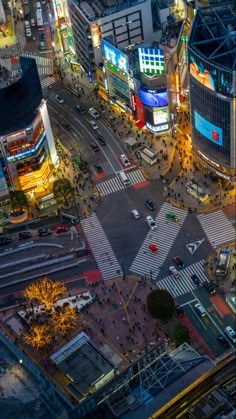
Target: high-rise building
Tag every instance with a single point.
(212, 88)
(27, 149)
(126, 22)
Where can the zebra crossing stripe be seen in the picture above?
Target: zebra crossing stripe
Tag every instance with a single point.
(184, 283)
(101, 248)
(48, 81)
(217, 227)
(115, 184)
(147, 263)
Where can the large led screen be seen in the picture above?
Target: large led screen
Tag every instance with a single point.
(210, 131)
(114, 56)
(151, 60)
(154, 98)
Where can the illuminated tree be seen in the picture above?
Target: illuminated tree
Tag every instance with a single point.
(63, 191)
(45, 291)
(64, 319)
(38, 336)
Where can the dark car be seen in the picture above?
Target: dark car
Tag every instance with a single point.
(98, 168)
(180, 311)
(101, 140)
(5, 240)
(45, 232)
(80, 109)
(25, 235)
(61, 229)
(66, 126)
(179, 262)
(149, 204)
(223, 341)
(210, 287)
(42, 36)
(95, 148)
(195, 279)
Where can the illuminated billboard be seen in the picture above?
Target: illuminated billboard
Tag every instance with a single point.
(210, 131)
(95, 34)
(160, 115)
(151, 60)
(114, 56)
(154, 98)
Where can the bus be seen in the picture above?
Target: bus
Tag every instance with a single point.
(222, 263)
(39, 19)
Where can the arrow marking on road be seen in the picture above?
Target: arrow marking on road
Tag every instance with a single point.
(192, 247)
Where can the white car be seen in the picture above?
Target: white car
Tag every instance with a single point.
(151, 222)
(124, 160)
(174, 272)
(135, 214)
(28, 32)
(32, 21)
(27, 24)
(59, 99)
(231, 333)
(93, 124)
(200, 310)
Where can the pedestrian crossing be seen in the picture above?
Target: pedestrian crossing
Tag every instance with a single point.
(184, 283)
(44, 65)
(48, 81)
(115, 184)
(147, 263)
(100, 247)
(217, 228)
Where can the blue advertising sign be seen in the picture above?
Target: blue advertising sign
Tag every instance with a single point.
(114, 56)
(154, 98)
(210, 131)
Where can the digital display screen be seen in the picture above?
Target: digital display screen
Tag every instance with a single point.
(154, 98)
(160, 115)
(114, 56)
(151, 60)
(210, 131)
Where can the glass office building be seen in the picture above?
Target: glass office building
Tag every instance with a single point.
(212, 87)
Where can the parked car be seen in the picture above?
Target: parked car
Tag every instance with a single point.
(195, 280)
(135, 214)
(93, 124)
(44, 232)
(174, 272)
(179, 262)
(101, 140)
(200, 310)
(223, 341)
(95, 147)
(180, 311)
(59, 99)
(98, 168)
(210, 287)
(149, 204)
(61, 229)
(25, 235)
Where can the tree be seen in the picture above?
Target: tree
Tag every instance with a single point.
(180, 335)
(45, 291)
(63, 191)
(64, 319)
(38, 336)
(18, 201)
(160, 304)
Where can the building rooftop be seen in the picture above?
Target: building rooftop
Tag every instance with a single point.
(94, 9)
(20, 100)
(213, 34)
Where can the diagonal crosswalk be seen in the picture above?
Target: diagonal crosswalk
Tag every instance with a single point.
(217, 228)
(148, 263)
(115, 184)
(101, 248)
(44, 65)
(184, 283)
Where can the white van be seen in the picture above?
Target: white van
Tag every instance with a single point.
(124, 179)
(231, 333)
(38, 5)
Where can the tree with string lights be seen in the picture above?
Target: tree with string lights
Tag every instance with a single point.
(45, 291)
(63, 319)
(38, 336)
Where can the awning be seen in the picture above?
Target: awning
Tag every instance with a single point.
(140, 124)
